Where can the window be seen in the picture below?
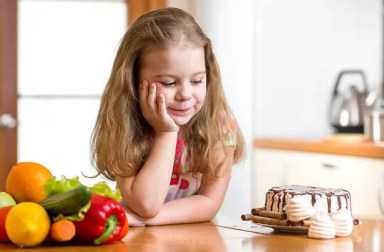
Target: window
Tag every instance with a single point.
(65, 54)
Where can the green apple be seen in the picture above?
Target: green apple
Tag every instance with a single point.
(6, 200)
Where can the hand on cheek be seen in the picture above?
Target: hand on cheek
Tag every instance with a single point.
(154, 110)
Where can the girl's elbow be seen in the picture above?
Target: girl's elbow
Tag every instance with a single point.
(147, 209)
(143, 209)
(208, 216)
(148, 212)
(212, 211)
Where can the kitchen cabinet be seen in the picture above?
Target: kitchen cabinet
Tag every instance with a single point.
(363, 177)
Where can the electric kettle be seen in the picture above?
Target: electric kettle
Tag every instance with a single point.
(348, 106)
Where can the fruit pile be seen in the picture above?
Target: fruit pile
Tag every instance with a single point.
(36, 208)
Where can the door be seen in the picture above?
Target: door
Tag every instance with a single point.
(8, 93)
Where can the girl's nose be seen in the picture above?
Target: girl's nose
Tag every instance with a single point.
(184, 92)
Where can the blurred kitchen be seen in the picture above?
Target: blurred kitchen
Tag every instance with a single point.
(293, 70)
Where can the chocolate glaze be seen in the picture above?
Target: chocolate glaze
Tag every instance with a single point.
(293, 190)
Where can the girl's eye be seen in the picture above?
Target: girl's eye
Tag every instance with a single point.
(168, 84)
(195, 82)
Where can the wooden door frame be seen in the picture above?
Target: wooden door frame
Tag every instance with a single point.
(8, 85)
(138, 7)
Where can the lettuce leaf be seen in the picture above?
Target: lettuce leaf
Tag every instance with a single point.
(103, 189)
(54, 186)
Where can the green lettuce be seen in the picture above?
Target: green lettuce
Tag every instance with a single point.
(102, 188)
(54, 186)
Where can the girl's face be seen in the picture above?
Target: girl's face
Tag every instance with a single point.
(180, 75)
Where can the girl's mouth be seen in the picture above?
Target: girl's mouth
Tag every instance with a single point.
(179, 111)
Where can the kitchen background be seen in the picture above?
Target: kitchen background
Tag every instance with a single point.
(279, 60)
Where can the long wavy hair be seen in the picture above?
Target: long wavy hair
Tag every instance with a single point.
(121, 138)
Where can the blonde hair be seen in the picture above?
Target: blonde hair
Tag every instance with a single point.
(121, 138)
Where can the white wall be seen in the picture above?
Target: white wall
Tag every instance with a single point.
(301, 46)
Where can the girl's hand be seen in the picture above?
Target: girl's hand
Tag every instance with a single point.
(154, 109)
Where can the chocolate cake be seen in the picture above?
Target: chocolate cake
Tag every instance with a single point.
(322, 199)
(323, 212)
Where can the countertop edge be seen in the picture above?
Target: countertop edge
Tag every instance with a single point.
(363, 149)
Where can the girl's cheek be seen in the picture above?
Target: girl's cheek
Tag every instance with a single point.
(166, 99)
(162, 90)
(159, 89)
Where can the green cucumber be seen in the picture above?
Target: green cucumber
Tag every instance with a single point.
(67, 203)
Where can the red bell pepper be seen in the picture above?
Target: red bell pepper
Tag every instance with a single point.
(104, 222)
(3, 215)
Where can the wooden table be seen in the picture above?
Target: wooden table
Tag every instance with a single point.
(228, 234)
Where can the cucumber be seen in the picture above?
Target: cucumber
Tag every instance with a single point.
(67, 203)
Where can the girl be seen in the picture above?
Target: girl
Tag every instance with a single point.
(164, 130)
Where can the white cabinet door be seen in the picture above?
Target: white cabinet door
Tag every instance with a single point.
(363, 177)
(271, 168)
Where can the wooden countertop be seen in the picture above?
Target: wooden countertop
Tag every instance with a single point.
(352, 148)
(228, 234)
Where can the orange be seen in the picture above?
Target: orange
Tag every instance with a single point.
(25, 181)
(27, 224)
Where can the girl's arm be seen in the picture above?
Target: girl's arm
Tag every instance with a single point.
(196, 208)
(145, 193)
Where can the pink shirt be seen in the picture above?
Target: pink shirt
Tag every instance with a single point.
(183, 183)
